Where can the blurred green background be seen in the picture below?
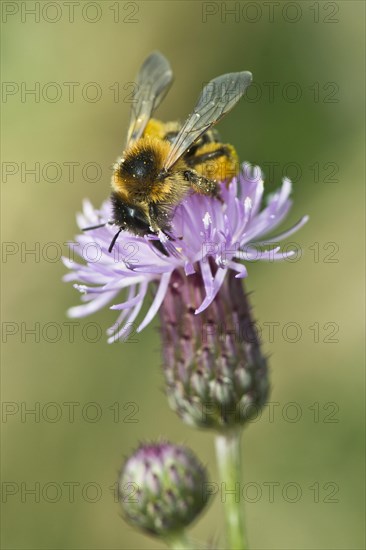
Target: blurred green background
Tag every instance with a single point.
(303, 118)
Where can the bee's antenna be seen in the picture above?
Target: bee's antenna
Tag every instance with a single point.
(99, 225)
(114, 240)
(95, 226)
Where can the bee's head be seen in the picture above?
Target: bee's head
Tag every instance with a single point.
(129, 217)
(133, 219)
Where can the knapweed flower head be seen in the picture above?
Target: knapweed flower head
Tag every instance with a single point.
(215, 372)
(162, 488)
(210, 236)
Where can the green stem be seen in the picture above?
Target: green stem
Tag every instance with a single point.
(229, 463)
(179, 541)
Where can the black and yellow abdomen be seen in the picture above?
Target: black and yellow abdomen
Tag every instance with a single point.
(208, 156)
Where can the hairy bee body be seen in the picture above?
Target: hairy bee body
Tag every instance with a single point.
(141, 183)
(163, 162)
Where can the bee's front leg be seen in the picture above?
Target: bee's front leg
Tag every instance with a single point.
(200, 184)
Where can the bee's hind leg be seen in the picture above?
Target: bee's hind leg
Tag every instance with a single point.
(201, 184)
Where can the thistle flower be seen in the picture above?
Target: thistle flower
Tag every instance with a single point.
(162, 488)
(211, 238)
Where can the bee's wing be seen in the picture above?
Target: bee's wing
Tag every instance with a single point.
(217, 98)
(152, 82)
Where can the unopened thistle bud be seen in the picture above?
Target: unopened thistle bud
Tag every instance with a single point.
(162, 488)
(215, 372)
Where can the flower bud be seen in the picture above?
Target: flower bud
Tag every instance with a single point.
(216, 375)
(162, 488)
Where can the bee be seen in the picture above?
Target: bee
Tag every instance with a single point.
(162, 162)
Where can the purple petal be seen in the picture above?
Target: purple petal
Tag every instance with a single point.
(91, 307)
(158, 299)
(218, 280)
(287, 233)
